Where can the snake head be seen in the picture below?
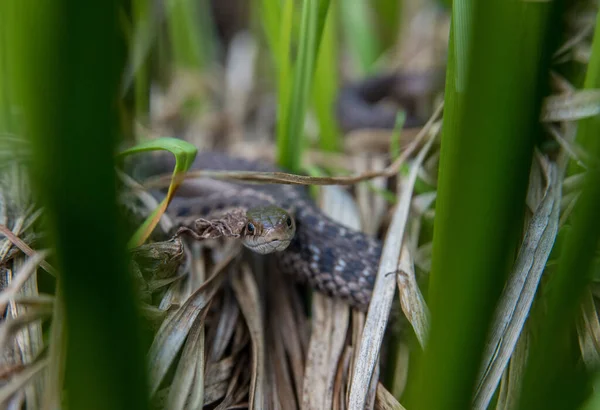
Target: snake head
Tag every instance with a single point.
(268, 229)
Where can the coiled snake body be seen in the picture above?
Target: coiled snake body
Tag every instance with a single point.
(330, 257)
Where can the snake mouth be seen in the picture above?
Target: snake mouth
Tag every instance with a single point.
(263, 248)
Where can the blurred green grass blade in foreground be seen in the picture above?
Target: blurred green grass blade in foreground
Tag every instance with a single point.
(498, 66)
(68, 60)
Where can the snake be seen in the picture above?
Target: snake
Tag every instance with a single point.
(283, 223)
(282, 220)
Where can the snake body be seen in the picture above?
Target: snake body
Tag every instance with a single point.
(330, 257)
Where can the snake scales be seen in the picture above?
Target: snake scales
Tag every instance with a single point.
(330, 257)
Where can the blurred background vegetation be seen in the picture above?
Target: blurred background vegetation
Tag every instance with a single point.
(502, 237)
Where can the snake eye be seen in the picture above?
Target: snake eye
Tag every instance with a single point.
(288, 222)
(250, 227)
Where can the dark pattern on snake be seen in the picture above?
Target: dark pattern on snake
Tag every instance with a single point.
(330, 257)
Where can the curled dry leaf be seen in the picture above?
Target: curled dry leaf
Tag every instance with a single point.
(230, 225)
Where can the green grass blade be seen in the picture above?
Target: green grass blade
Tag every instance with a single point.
(587, 129)
(388, 14)
(326, 85)
(142, 17)
(191, 33)
(271, 21)
(290, 143)
(496, 65)
(5, 111)
(360, 35)
(69, 57)
(184, 153)
(322, 13)
(284, 68)
(592, 78)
